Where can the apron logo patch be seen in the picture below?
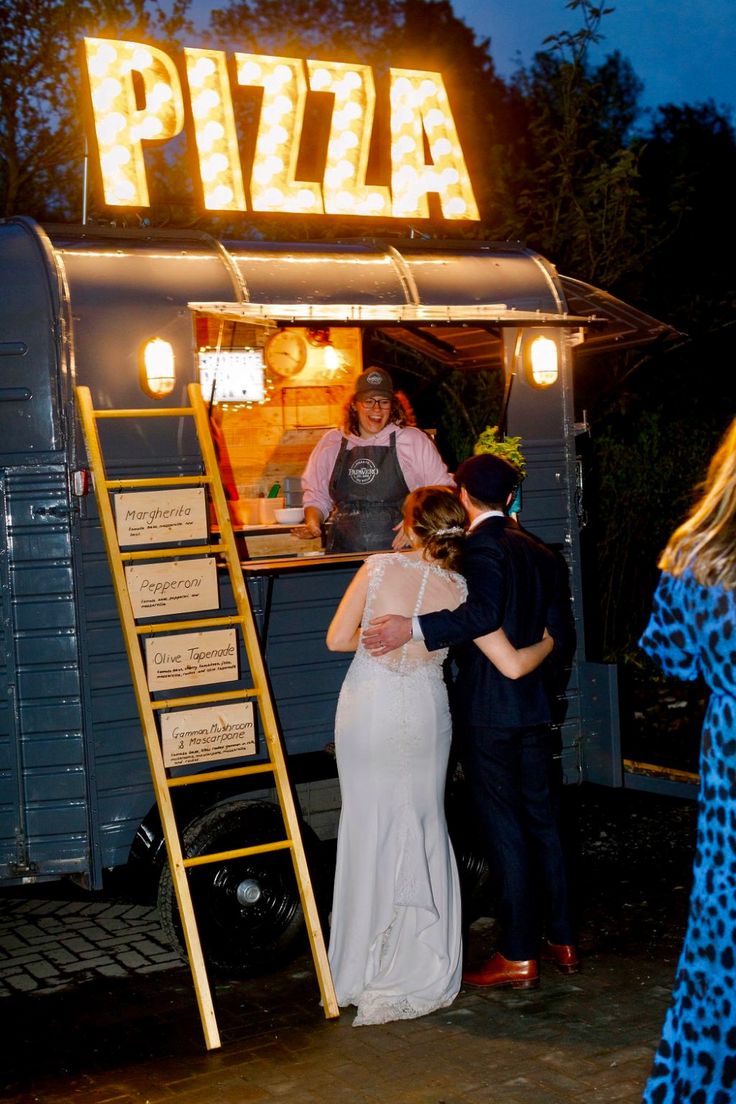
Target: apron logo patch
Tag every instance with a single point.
(362, 471)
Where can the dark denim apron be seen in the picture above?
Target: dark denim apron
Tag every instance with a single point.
(368, 489)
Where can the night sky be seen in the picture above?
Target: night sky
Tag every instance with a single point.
(683, 50)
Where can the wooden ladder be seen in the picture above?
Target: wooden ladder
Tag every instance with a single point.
(149, 708)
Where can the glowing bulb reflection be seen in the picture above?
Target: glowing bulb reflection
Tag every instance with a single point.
(419, 107)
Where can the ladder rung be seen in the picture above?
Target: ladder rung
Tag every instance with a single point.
(215, 776)
(203, 623)
(194, 699)
(175, 553)
(160, 481)
(240, 852)
(148, 412)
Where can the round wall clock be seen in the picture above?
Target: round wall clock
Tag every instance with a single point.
(285, 352)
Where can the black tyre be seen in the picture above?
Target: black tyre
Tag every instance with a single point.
(472, 862)
(474, 872)
(248, 910)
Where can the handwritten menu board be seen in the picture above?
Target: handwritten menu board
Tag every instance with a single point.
(191, 659)
(160, 517)
(216, 732)
(173, 587)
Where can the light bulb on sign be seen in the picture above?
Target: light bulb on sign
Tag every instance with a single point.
(419, 106)
(344, 187)
(273, 181)
(213, 117)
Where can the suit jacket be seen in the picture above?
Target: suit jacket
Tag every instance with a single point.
(515, 582)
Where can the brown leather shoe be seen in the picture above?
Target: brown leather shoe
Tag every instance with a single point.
(564, 956)
(499, 971)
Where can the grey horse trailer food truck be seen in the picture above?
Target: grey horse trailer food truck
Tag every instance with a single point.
(275, 334)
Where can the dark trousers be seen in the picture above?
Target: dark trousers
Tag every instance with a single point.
(510, 775)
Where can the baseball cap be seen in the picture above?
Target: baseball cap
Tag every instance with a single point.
(374, 380)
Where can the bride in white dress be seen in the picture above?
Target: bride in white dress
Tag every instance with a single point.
(395, 940)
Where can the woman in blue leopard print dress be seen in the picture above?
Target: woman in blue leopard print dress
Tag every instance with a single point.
(691, 633)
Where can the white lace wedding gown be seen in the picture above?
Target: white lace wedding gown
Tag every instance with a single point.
(395, 941)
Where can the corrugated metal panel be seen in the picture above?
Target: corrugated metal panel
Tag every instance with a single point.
(44, 827)
(9, 764)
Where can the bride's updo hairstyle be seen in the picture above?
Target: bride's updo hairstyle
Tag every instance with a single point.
(438, 519)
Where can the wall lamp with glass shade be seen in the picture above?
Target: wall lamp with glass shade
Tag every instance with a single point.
(156, 367)
(541, 360)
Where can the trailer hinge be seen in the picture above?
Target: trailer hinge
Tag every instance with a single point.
(22, 866)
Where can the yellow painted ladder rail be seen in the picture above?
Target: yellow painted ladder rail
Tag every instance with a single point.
(148, 707)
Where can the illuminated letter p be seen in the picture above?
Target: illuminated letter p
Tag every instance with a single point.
(120, 125)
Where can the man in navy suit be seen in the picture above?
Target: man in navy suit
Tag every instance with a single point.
(515, 582)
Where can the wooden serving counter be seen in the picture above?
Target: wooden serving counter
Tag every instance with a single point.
(272, 540)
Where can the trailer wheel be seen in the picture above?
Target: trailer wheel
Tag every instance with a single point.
(248, 910)
(472, 863)
(474, 872)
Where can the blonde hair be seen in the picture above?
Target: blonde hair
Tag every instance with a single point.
(438, 518)
(706, 542)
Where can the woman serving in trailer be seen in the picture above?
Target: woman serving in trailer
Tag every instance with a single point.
(357, 477)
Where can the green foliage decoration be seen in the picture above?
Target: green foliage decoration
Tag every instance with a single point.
(509, 448)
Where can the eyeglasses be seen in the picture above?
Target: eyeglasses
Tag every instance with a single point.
(375, 404)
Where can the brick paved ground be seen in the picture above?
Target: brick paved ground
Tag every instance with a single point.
(137, 1039)
(96, 1009)
(47, 943)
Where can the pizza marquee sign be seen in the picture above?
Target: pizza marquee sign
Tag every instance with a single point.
(137, 96)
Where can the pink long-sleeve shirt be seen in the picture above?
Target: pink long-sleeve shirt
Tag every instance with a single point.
(419, 460)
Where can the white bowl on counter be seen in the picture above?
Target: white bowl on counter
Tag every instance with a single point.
(290, 515)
